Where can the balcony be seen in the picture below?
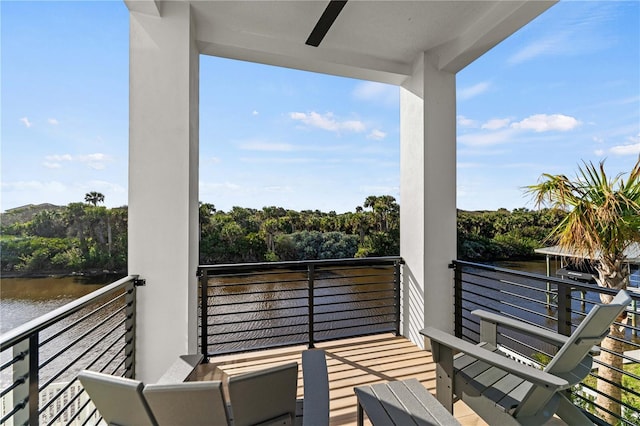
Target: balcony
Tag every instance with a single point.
(261, 314)
(351, 362)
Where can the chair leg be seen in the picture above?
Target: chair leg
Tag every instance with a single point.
(571, 414)
(444, 374)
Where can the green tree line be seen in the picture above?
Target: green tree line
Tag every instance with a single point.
(85, 237)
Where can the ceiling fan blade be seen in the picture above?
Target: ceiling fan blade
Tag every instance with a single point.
(325, 22)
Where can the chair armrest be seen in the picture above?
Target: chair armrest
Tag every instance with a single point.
(316, 388)
(181, 369)
(530, 374)
(542, 333)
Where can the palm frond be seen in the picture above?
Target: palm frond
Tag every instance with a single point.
(603, 213)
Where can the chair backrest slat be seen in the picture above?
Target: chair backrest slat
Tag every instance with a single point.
(187, 404)
(593, 328)
(259, 396)
(119, 400)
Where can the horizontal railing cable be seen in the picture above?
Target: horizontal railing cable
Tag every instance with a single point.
(93, 332)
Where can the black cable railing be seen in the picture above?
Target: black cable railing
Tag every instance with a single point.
(256, 306)
(40, 360)
(555, 304)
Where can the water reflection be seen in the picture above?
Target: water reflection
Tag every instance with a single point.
(24, 299)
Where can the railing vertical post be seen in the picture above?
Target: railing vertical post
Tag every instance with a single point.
(204, 315)
(21, 375)
(397, 294)
(130, 331)
(457, 299)
(564, 310)
(34, 378)
(310, 281)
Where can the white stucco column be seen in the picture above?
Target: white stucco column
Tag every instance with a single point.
(427, 197)
(163, 184)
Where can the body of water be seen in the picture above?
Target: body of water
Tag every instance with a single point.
(24, 299)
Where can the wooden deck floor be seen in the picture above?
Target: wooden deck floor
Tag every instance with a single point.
(351, 362)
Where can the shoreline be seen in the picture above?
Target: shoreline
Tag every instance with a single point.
(61, 274)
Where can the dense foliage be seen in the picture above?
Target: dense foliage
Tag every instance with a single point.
(84, 237)
(274, 233)
(498, 235)
(76, 238)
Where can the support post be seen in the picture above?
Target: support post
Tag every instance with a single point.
(163, 183)
(428, 197)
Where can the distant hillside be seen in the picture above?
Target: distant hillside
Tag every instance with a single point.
(25, 213)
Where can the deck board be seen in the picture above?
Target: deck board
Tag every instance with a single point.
(350, 362)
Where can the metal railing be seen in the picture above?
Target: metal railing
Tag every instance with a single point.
(558, 305)
(40, 360)
(256, 306)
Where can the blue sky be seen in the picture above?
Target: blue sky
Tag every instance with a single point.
(563, 90)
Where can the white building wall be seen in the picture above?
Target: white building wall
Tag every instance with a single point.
(427, 197)
(163, 184)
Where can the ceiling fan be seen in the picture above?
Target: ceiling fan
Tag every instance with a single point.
(325, 22)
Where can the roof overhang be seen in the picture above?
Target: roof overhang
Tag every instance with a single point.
(632, 253)
(371, 40)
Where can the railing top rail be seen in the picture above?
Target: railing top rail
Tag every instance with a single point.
(20, 333)
(390, 260)
(576, 285)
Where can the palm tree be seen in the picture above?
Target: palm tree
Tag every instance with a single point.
(603, 219)
(94, 198)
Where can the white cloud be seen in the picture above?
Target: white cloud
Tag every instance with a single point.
(473, 91)
(487, 139)
(466, 122)
(34, 185)
(95, 161)
(384, 94)
(535, 49)
(496, 123)
(53, 121)
(546, 123)
(266, 146)
(626, 149)
(599, 152)
(89, 158)
(377, 135)
(58, 157)
(26, 122)
(498, 131)
(255, 112)
(328, 122)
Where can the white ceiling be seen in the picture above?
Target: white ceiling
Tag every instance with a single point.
(374, 40)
